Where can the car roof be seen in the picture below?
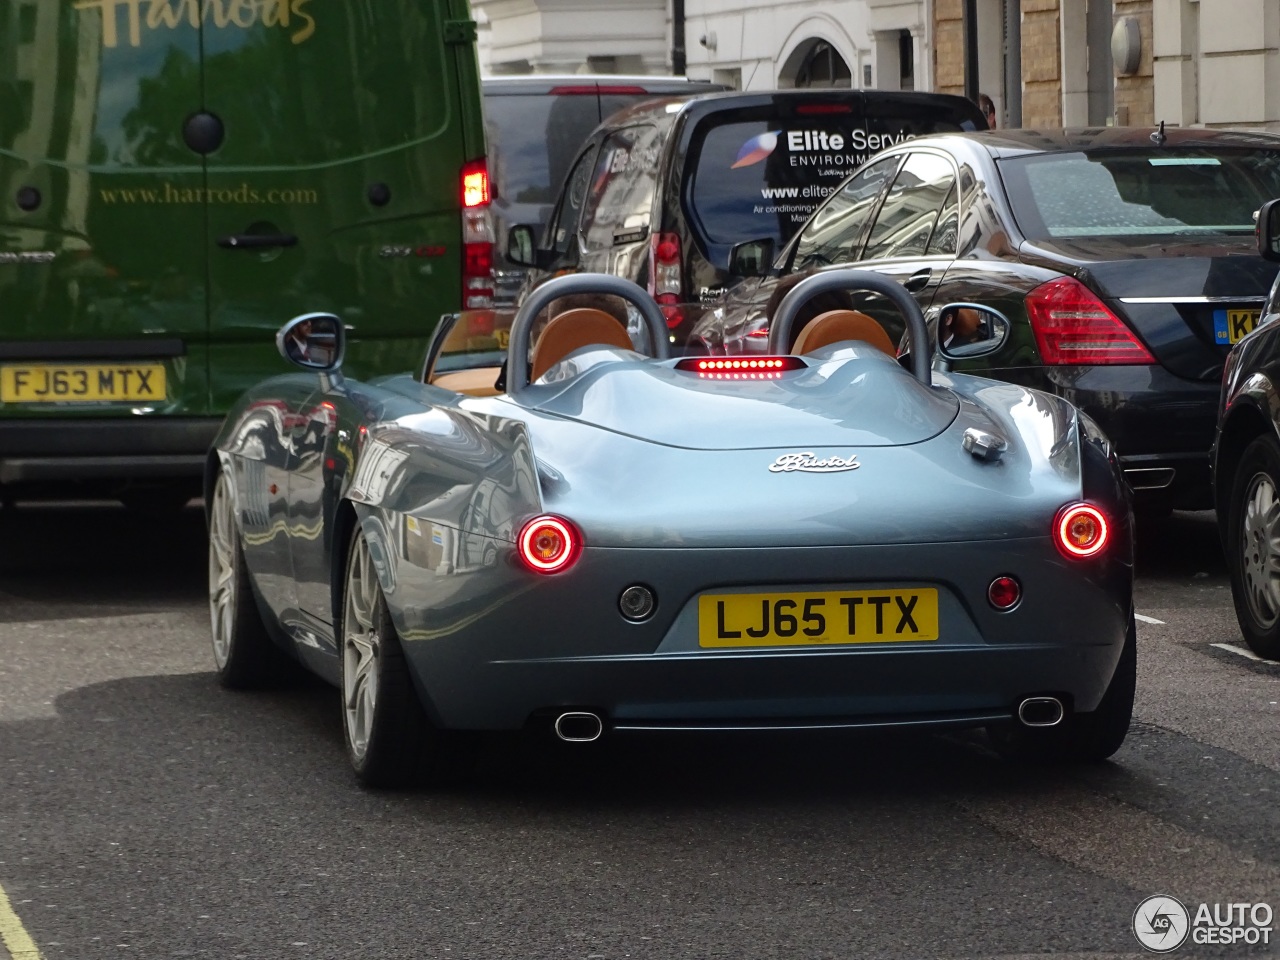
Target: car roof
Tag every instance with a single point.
(547, 82)
(1025, 142)
(703, 104)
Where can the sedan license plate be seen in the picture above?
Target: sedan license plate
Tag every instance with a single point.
(81, 382)
(1230, 326)
(794, 619)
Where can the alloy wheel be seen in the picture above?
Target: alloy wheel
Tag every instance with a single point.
(360, 648)
(222, 570)
(1260, 549)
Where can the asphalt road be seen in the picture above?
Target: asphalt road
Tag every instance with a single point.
(145, 812)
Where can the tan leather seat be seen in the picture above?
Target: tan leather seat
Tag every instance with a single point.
(572, 330)
(475, 382)
(836, 326)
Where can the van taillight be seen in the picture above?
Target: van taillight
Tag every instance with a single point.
(477, 237)
(665, 279)
(1073, 326)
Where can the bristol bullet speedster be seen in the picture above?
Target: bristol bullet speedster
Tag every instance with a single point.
(562, 529)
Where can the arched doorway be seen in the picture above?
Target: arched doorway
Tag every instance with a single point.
(815, 63)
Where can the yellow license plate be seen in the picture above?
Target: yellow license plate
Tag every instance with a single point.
(1230, 326)
(63, 383)
(794, 619)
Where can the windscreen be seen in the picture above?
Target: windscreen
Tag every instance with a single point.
(1162, 191)
(762, 178)
(533, 140)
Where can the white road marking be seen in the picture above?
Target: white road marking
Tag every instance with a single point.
(1138, 616)
(1241, 651)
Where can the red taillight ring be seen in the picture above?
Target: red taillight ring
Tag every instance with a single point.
(1081, 531)
(548, 544)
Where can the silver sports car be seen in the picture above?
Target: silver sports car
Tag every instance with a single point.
(561, 531)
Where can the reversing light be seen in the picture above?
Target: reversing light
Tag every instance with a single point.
(740, 368)
(1004, 593)
(1081, 531)
(548, 544)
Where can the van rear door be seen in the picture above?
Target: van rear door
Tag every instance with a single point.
(338, 184)
(102, 279)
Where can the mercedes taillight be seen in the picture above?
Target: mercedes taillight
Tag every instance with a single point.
(1072, 326)
(477, 238)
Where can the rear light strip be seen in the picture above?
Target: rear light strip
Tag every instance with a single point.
(1072, 326)
(755, 368)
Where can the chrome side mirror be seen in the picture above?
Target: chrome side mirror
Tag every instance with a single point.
(313, 341)
(968, 330)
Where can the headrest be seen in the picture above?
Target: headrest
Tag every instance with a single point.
(836, 326)
(573, 330)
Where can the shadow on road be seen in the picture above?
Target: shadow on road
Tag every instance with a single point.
(103, 556)
(1180, 546)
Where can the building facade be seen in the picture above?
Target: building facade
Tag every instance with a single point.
(1043, 62)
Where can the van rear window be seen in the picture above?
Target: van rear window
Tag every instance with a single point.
(762, 178)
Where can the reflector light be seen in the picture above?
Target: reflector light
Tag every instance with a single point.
(548, 544)
(1081, 531)
(1004, 593)
(1073, 326)
(741, 368)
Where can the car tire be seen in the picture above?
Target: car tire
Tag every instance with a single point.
(390, 740)
(1080, 737)
(1253, 557)
(244, 654)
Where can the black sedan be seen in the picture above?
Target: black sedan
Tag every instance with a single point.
(1246, 464)
(1124, 259)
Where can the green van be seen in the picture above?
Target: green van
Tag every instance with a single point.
(179, 177)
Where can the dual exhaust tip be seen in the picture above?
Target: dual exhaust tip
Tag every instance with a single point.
(579, 726)
(582, 726)
(1041, 712)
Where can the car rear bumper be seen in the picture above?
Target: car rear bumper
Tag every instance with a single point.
(102, 449)
(1162, 425)
(496, 647)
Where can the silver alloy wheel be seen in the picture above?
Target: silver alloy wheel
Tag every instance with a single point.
(1260, 546)
(223, 581)
(360, 648)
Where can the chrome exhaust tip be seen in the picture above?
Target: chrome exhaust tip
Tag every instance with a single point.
(579, 726)
(1041, 712)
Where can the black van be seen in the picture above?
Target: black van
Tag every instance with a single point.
(663, 191)
(535, 127)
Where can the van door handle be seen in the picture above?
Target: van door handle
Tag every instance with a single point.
(918, 281)
(257, 241)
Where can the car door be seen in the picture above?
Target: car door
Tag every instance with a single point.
(339, 138)
(913, 236)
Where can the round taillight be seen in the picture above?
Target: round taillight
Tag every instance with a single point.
(1081, 531)
(548, 544)
(1004, 593)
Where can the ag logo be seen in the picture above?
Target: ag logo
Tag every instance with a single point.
(1161, 924)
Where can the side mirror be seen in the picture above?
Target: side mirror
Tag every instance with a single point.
(522, 246)
(751, 258)
(313, 341)
(968, 330)
(1267, 230)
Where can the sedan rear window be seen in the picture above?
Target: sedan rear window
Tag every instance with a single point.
(1170, 192)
